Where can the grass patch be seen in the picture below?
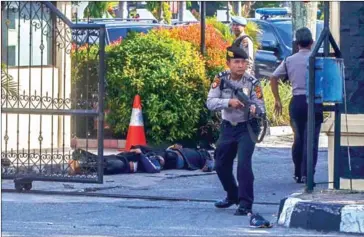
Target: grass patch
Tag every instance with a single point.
(285, 92)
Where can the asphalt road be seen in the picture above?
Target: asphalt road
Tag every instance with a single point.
(53, 215)
(43, 215)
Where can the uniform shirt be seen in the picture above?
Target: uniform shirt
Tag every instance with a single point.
(218, 99)
(295, 67)
(247, 45)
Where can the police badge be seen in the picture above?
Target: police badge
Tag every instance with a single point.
(246, 91)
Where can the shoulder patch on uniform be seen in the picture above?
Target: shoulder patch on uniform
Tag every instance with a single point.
(216, 83)
(258, 91)
(224, 73)
(253, 80)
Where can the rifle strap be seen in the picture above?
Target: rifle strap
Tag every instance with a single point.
(253, 135)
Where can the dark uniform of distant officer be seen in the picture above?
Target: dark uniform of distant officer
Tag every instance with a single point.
(243, 40)
(234, 136)
(294, 68)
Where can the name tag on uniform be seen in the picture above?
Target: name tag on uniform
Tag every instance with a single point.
(246, 91)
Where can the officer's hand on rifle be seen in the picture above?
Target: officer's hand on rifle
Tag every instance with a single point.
(253, 109)
(235, 103)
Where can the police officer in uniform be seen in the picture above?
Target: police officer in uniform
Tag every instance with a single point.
(243, 40)
(234, 136)
(294, 68)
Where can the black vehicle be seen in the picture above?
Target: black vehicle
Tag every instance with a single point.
(276, 44)
(116, 29)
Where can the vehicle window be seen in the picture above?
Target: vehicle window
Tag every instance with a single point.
(267, 33)
(116, 33)
(285, 31)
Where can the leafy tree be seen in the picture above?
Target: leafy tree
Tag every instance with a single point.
(160, 10)
(99, 9)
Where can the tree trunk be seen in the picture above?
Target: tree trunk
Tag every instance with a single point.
(237, 8)
(303, 14)
(160, 12)
(246, 9)
(181, 9)
(123, 10)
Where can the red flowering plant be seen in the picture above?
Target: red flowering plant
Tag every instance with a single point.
(215, 58)
(215, 62)
(114, 43)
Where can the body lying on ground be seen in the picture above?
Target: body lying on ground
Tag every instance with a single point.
(143, 159)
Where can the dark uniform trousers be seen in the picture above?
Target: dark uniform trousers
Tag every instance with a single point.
(298, 111)
(235, 140)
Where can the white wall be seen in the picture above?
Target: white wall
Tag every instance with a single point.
(20, 37)
(62, 75)
(33, 125)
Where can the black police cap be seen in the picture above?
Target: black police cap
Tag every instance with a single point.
(236, 52)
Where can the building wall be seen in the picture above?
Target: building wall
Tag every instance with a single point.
(23, 131)
(29, 125)
(348, 30)
(352, 46)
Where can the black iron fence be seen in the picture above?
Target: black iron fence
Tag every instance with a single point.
(42, 102)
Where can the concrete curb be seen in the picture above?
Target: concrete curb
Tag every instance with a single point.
(321, 216)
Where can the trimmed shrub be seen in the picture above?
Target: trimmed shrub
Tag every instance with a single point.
(165, 68)
(215, 61)
(169, 76)
(218, 38)
(222, 28)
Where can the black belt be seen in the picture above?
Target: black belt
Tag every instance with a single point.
(253, 136)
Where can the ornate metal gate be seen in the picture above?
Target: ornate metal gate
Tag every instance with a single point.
(53, 75)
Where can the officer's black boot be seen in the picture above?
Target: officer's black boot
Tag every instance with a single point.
(226, 203)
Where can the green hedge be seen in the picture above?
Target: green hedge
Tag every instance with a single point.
(170, 78)
(169, 75)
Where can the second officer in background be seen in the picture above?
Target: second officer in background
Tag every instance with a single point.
(243, 40)
(234, 137)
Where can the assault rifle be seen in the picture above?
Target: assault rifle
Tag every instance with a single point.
(261, 116)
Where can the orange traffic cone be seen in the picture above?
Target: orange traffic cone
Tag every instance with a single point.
(136, 134)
